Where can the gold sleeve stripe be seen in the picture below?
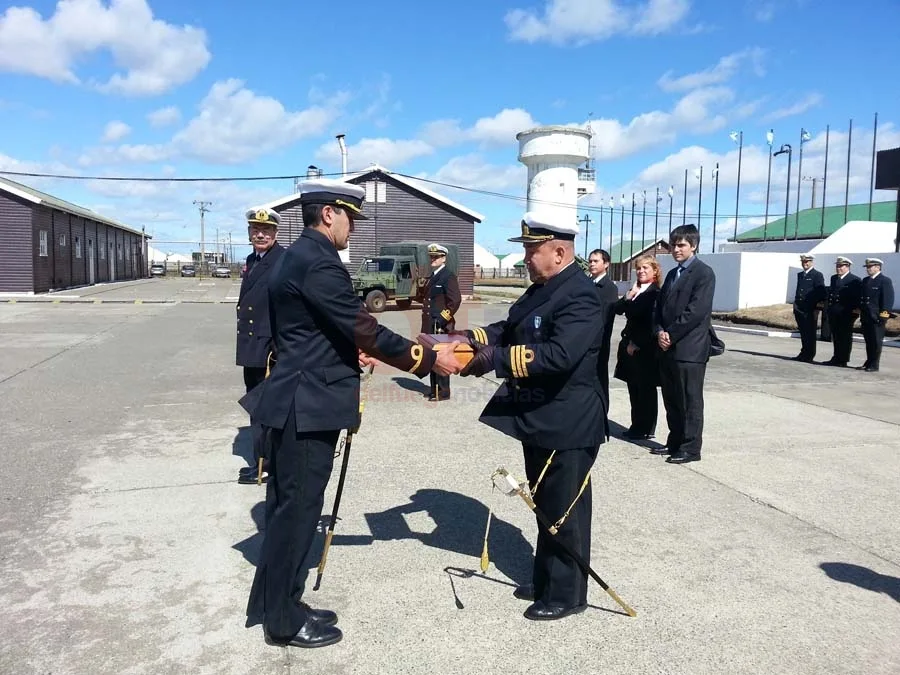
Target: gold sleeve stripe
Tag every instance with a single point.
(480, 334)
(515, 360)
(527, 357)
(446, 314)
(416, 352)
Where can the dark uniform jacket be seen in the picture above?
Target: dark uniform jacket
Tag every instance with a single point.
(810, 291)
(609, 295)
(254, 334)
(319, 324)
(684, 309)
(442, 301)
(877, 299)
(844, 295)
(547, 351)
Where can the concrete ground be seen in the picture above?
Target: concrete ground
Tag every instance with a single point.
(126, 546)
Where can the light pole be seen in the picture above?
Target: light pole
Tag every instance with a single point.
(612, 214)
(738, 137)
(631, 243)
(671, 198)
(203, 209)
(699, 175)
(786, 148)
(656, 219)
(770, 138)
(684, 205)
(804, 137)
(644, 219)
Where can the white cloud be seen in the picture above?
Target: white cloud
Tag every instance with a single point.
(496, 131)
(115, 131)
(153, 56)
(474, 172)
(233, 125)
(164, 116)
(391, 154)
(726, 68)
(581, 21)
(806, 103)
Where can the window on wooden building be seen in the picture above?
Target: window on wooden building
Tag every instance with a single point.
(62, 240)
(77, 247)
(42, 236)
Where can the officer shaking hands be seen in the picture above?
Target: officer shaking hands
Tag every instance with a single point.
(254, 333)
(442, 301)
(320, 328)
(551, 401)
(876, 304)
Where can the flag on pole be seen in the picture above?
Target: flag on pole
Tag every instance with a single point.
(733, 136)
(770, 137)
(804, 135)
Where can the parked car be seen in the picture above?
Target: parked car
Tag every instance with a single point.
(157, 270)
(188, 271)
(223, 271)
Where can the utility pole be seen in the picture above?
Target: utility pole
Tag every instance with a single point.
(203, 209)
(587, 228)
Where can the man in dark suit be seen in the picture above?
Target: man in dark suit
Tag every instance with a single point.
(810, 292)
(442, 301)
(551, 401)
(843, 303)
(323, 334)
(254, 334)
(876, 303)
(598, 267)
(682, 327)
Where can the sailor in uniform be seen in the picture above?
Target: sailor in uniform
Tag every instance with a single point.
(442, 301)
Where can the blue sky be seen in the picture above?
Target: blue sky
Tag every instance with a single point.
(159, 88)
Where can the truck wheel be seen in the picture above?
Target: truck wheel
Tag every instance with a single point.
(404, 304)
(375, 301)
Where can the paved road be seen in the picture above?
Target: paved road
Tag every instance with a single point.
(127, 547)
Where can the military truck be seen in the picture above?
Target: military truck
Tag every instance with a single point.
(399, 272)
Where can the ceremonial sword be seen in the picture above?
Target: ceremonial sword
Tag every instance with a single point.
(510, 487)
(340, 486)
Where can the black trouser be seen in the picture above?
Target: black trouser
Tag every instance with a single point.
(300, 467)
(557, 578)
(440, 384)
(874, 334)
(806, 324)
(842, 336)
(642, 394)
(682, 391)
(252, 378)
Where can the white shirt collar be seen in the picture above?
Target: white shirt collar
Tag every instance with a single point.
(438, 269)
(599, 277)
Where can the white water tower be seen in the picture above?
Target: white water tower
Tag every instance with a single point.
(559, 169)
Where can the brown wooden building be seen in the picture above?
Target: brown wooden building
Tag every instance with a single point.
(398, 209)
(49, 244)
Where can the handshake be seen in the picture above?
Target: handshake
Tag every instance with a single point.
(447, 361)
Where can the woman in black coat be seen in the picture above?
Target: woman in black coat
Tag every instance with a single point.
(636, 362)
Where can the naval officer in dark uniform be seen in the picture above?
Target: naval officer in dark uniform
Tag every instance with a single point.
(442, 301)
(876, 303)
(551, 401)
(322, 334)
(598, 266)
(254, 334)
(809, 293)
(843, 303)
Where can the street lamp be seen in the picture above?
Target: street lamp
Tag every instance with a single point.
(770, 138)
(786, 148)
(804, 137)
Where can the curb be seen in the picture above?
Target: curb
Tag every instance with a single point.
(892, 342)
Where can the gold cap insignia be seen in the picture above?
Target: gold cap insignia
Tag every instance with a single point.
(262, 215)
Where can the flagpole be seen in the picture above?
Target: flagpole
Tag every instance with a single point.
(631, 243)
(769, 138)
(656, 220)
(847, 191)
(803, 135)
(601, 225)
(825, 180)
(644, 220)
(612, 215)
(671, 206)
(872, 174)
(715, 208)
(684, 209)
(737, 198)
(700, 199)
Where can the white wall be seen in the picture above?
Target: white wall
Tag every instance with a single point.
(859, 236)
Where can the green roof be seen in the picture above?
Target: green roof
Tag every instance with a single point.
(809, 224)
(39, 197)
(627, 250)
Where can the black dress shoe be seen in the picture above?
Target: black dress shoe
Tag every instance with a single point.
(524, 592)
(313, 634)
(682, 458)
(661, 451)
(249, 477)
(444, 396)
(870, 369)
(325, 616)
(541, 612)
(636, 435)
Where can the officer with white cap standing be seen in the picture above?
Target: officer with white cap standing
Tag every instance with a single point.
(254, 334)
(809, 293)
(442, 301)
(876, 304)
(843, 302)
(322, 333)
(546, 350)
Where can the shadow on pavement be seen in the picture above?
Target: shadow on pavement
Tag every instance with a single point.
(863, 577)
(766, 354)
(242, 445)
(411, 384)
